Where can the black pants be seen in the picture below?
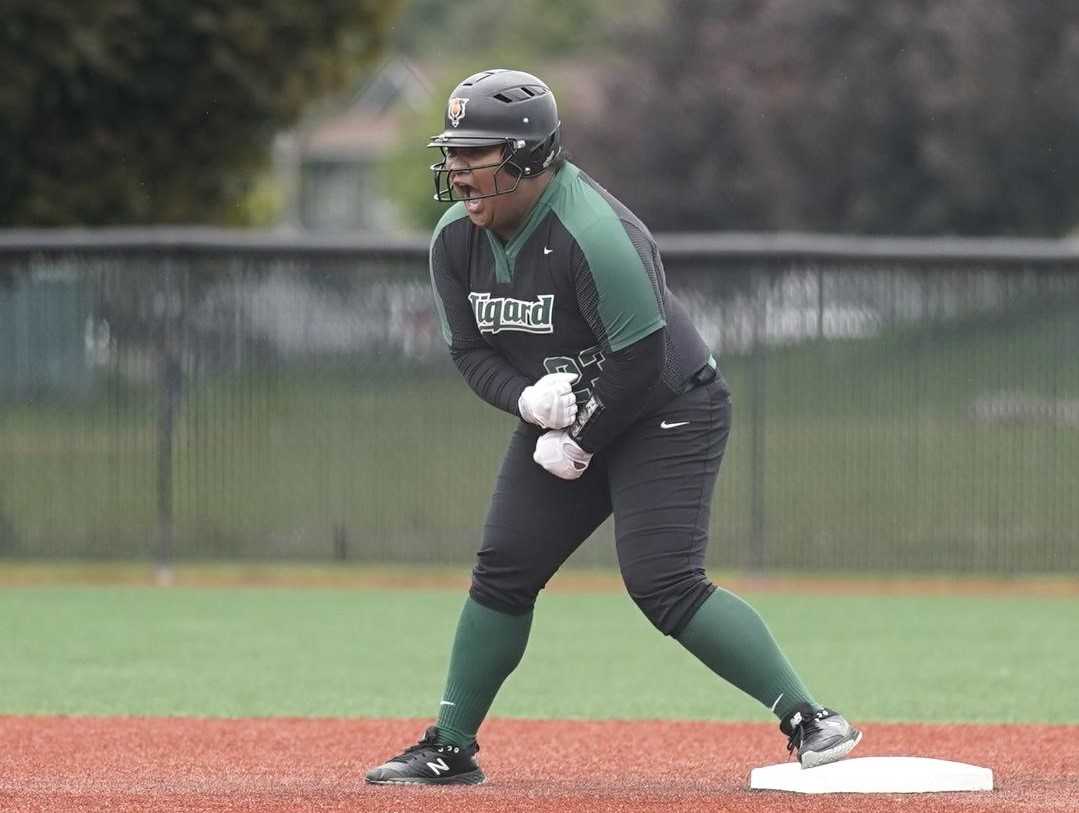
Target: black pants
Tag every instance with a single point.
(657, 478)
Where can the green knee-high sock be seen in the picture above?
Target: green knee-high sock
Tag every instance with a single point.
(488, 646)
(732, 640)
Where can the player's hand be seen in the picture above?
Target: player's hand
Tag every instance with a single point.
(557, 452)
(549, 402)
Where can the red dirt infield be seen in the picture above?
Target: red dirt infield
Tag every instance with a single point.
(275, 765)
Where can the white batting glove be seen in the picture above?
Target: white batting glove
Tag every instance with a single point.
(557, 452)
(549, 402)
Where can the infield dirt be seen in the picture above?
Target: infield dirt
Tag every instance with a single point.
(271, 765)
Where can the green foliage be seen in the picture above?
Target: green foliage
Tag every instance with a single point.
(524, 31)
(263, 204)
(535, 35)
(910, 118)
(405, 174)
(163, 110)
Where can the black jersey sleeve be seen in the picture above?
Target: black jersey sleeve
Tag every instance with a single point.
(619, 395)
(618, 293)
(485, 370)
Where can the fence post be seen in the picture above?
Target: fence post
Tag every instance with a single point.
(170, 391)
(820, 303)
(758, 399)
(340, 543)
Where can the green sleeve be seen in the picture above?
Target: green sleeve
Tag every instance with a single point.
(627, 304)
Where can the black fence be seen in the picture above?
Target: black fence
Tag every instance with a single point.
(899, 404)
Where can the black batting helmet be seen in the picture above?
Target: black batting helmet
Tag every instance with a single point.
(499, 106)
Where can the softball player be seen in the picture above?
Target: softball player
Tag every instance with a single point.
(555, 307)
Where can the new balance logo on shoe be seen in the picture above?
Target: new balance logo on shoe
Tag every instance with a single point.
(428, 763)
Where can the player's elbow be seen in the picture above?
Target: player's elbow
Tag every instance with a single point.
(650, 357)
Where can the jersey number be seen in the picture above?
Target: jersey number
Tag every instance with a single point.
(588, 365)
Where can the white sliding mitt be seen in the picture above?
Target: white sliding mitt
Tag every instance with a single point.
(549, 402)
(557, 452)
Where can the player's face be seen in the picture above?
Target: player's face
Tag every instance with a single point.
(470, 178)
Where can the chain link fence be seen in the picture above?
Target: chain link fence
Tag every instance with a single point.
(182, 394)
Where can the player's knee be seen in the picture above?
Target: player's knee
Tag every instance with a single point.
(668, 598)
(504, 586)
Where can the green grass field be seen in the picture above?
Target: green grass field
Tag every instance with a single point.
(333, 652)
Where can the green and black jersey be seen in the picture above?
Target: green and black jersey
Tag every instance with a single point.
(577, 289)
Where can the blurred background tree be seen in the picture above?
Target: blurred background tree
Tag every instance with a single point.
(454, 40)
(163, 111)
(910, 117)
(527, 29)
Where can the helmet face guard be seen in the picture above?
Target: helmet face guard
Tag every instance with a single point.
(443, 175)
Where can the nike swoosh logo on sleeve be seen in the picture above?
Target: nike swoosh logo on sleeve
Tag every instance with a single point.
(665, 425)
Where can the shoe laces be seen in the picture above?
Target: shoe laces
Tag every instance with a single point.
(801, 725)
(429, 741)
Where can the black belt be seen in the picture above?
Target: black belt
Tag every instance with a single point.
(706, 375)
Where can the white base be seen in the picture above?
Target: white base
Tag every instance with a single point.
(873, 775)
